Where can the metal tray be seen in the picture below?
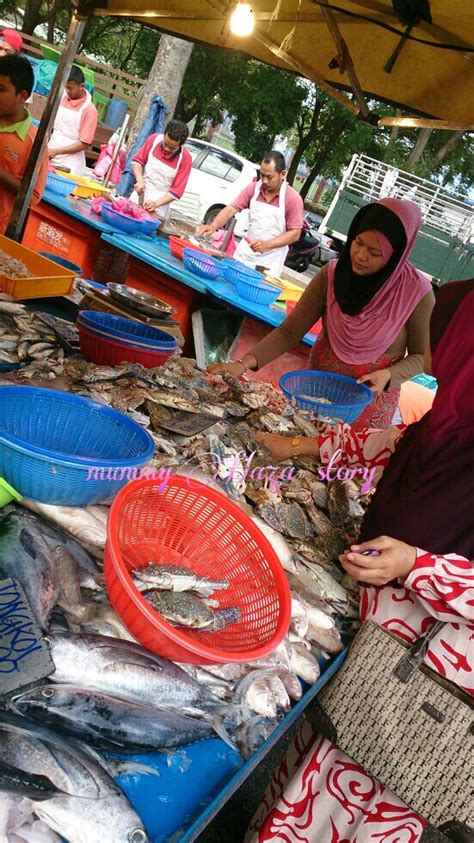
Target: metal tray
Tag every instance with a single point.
(143, 302)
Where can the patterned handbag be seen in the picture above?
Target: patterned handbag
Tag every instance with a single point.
(404, 724)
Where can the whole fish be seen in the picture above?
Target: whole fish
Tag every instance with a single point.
(25, 555)
(185, 609)
(174, 578)
(91, 804)
(127, 670)
(109, 722)
(21, 783)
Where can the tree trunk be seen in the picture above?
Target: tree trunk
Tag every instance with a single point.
(419, 148)
(446, 149)
(304, 142)
(395, 131)
(165, 79)
(32, 16)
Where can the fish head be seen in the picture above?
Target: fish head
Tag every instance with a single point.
(38, 699)
(138, 835)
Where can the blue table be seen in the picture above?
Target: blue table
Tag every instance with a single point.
(272, 315)
(79, 209)
(155, 252)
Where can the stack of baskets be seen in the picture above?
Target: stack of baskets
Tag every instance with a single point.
(249, 282)
(111, 340)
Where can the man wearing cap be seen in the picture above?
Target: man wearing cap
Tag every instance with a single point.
(10, 42)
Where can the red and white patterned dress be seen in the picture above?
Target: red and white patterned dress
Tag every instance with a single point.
(318, 795)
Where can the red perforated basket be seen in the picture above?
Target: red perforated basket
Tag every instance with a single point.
(186, 523)
(178, 244)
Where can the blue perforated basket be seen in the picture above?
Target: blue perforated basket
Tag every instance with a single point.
(124, 223)
(347, 397)
(148, 227)
(66, 450)
(201, 264)
(234, 271)
(128, 330)
(256, 291)
(58, 184)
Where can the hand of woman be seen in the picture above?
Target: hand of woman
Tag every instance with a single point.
(237, 369)
(281, 448)
(377, 381)
(395, 560)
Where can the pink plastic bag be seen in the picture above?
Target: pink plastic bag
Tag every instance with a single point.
(218, 241)
(104, 161)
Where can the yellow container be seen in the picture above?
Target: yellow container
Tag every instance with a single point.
(289, 291)
(47, 278)
(86, 188)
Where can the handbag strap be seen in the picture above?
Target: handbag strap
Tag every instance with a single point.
(413, 658)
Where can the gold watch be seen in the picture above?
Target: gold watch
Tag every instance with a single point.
(295, 445)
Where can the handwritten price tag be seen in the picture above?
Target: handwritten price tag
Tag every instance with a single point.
(24, 654)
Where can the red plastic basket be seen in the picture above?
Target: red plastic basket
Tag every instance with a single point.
(107, 353)
(192, 526)
(317, 327)
(178, 244)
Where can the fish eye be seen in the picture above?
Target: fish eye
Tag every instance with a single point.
(138, 835)
(48, 693)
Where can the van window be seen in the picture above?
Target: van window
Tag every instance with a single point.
(221, 165)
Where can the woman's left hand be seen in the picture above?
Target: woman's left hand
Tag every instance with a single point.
(377, 381)
(395, 561)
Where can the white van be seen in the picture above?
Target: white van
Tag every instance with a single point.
(217, 177)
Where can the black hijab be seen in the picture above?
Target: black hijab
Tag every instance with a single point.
(354, 291)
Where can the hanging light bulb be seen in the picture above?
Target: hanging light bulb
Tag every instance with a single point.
(242, 20)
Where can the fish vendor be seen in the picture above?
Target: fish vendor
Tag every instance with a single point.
(375, 308)
(161, 168)
(17, 134)
(275, 216)
(75, 125)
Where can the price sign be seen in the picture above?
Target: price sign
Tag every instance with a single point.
(24, 654)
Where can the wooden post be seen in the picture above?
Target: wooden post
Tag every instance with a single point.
(23, 197)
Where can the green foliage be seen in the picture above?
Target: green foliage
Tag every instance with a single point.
(265, 104)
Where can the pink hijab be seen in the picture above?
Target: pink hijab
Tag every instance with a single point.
(365, 336)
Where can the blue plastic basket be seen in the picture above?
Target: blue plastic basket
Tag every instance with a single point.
(63, 262)
(148, 227)
(256, 291)
(347, 397)
(127, 330)
(66, 450)
(60, 185)
(201, 264)
(118, 220)
(234, 271)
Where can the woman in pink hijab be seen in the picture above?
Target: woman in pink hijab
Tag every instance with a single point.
(375, 308)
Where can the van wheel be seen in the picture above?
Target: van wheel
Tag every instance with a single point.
(211, 214)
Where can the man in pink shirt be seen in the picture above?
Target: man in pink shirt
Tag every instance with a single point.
(75, 125)
(275, 216)
(161, 168)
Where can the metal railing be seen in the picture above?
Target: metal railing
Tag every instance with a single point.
(444, 211)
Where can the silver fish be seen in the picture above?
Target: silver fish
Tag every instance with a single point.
(109, 722)
(91, 801)
(126, 670)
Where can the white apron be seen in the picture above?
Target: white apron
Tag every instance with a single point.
(158, 178)
(65, 133)
(265, 222)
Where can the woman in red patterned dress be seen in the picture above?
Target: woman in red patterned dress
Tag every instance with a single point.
(375, 308)
(424, 503)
